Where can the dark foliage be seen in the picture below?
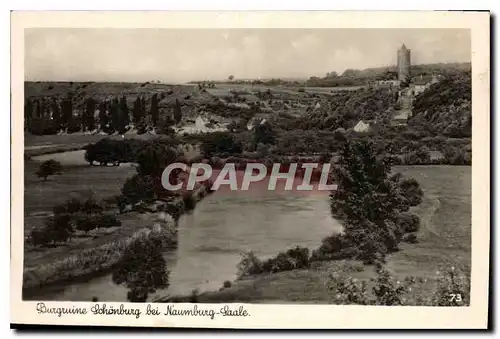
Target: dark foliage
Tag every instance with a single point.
(142, 268)
(220, 142)
(447, 106)
(368, 201)
(139, 188)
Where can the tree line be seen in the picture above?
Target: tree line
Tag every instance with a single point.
(51, 115)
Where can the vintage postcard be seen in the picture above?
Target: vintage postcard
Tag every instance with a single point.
(250, 170)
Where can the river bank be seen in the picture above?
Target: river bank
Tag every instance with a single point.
(95, 254)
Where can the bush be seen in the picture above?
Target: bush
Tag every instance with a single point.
(139, 188)
(386, 291)
(348, 290)
(389, 292)
(334, 247)
(456, 156)
(57, 229)
(105, 151)
(280, 263)
(453, 288)
(73, 205)
(189, 201)
(408, 222)
(411, 191)
(40, 237)
(49, 167)
(249, 265)
(108, 220)
(227, 284)
(86, 222)
(300, 256)
(220, 142)
(142, 268)
(410, 238)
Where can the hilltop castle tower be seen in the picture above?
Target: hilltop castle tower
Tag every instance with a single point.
(404, 63)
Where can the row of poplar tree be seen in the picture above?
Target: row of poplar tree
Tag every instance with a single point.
(48, 116)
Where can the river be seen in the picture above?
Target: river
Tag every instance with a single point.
(212, 238)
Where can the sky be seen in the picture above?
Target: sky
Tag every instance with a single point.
(182, 55)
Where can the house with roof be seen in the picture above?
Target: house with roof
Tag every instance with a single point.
(422, 82)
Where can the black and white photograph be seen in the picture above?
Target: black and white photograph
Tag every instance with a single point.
(286, 166)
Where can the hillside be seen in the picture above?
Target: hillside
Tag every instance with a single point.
(106, 91)
(346, 108)
(446, 106)
(358, 77)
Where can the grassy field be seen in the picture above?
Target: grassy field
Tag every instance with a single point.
(444, 240)
(78, 182)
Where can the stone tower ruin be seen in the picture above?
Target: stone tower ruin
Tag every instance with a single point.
(404, 63)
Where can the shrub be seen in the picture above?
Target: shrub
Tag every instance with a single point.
(86, 222)
(387, 292)
(57, 229)
(139, 188)
(227, 284)
(71, 206)
(105, 151)
(175, 209)
(300, 256)
(394, 160)
(220, 142)
(154, 157)
(411, 191)
(142, 268)
(410, 238)
(108, 220)
(49, 167)
(453, 288)
(456, 156)
(408, 222)
(122, 202)
(249, 265)
(280, 263)
(91, 206)
(333, 247)
(189, 201)
(348, 290)
(40, 237)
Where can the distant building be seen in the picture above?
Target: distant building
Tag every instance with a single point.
(361, 127)
(387, 83)
(404, 63)
(422, 82)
